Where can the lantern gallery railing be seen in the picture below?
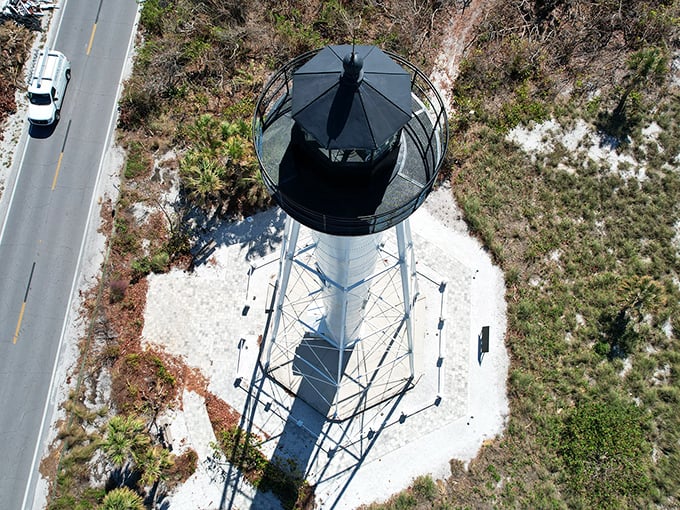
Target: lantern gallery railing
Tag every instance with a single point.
(423, 144)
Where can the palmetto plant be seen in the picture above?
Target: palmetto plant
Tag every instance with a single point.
(640, 298)
(126, 439)
(202, 177)
(154, 463)
(220, 169)
(641, 295)
(645, 65)
(128, 446)
(204, 133)
(122, 498)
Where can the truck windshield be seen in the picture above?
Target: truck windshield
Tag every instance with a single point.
(39, 99)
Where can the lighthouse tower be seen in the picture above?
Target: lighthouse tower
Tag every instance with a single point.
(349, 140)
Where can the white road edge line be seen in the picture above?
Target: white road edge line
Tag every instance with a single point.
(76, 276)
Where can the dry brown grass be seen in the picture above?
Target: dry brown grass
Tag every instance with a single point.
(15, 46)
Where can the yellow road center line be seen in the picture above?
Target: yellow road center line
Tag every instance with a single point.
(56, 173)
(89, 46)
(21, 317)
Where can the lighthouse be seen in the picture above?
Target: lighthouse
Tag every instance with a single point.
(349, 139)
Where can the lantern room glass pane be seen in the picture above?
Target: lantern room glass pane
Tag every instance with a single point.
(356, 156)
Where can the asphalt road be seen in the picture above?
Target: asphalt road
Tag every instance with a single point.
(42, 236)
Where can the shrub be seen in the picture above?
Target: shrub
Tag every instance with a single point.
(122, 498)
(162, 373)
(124, 239)
(281, 477)
(241, 449)
(144, 383)
(140, 268)
(221, 169)
(151, 17)
(522, 110)
(285, 481)
(295, 34)
(136, 105)
(183, 467)
(625, 326)
(604, 450)
(159, 262)
(117, 290)
(404, 501)
(424, 488)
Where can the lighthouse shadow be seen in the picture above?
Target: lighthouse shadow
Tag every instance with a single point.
(312, 449)
(309, 448)
(285, 474)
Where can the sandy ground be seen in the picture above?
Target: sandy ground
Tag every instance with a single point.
(460, 32)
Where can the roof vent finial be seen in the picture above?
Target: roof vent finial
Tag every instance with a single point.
(352, 63)
(352, 67)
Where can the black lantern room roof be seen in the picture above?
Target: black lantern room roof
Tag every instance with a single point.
(377, 119)
(351, 97)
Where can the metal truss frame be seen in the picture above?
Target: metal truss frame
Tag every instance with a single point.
(343, 379)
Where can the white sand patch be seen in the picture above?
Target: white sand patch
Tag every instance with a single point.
(625, 165)
(675, 70)
(444, 209)
(661, 376)
(583, 141)
(141, 212)
(652, 131)
(536, 139)
(581, 133)
(627, 365)
(667, 328)
(676, 238)
(168, 177)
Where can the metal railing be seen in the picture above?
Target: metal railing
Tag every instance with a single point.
(275, 102)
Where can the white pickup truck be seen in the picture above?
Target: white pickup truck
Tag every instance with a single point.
(47, 86)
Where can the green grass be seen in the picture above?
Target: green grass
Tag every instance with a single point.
(614, 237)
(137, 163)
(606, 456)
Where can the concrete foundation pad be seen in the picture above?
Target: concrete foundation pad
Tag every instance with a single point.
(456, 402)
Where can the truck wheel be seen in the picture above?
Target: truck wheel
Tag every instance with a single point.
(68, 74)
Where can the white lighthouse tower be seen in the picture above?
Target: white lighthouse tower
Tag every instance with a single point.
(350, 140)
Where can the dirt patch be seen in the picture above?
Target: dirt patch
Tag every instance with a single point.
(459, 35)
(222, 415)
